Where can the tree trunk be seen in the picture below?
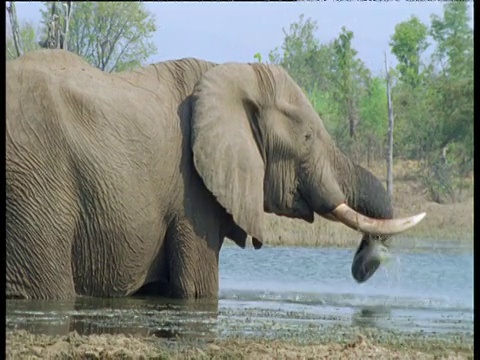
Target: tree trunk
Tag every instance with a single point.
(58, 26)
(369, 147)
(52, 28)
(12, 13)
(68, 13)
(390, 135)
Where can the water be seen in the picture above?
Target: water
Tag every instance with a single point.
(284, 293)
(416, 291)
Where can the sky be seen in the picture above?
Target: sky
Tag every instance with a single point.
(235, 31)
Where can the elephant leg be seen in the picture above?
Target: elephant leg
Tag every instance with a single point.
(193, 262)
(39, 233)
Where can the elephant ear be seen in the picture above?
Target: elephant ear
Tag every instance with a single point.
(225, 152)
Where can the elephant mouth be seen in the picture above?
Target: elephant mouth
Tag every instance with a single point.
(307, 216)
(300, 209)
(303, 210)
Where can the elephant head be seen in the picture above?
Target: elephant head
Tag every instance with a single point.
(259, 146)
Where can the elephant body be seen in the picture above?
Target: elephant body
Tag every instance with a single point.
(92, 199)
(122, 183)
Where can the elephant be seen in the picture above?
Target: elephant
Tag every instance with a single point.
(128, 183)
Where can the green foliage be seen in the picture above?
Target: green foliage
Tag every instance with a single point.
(454, 82)
(352, 78)
(112, 36)
(258, 57)
(29, 40)
(302, 56)
(331, 75)
(374, 110)
(432, 102)
(408, 43)
(434, 120)
(454, 38)
(411, 107)
(327, 108)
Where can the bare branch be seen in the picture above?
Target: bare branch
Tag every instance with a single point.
(68, 12)
(125, 47)
(12, 13)
(114, 44)
(390, 134)
(12, 55)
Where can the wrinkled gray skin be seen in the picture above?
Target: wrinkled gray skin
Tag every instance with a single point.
(124, 183)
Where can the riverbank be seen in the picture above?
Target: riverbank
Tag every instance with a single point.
(444, 222)
(23, 345)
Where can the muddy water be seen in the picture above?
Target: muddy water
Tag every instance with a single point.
(286, 293)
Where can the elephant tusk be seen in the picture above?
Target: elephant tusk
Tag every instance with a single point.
(371, 226)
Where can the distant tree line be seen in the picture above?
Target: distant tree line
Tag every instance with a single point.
(432, 99)
(111, 36)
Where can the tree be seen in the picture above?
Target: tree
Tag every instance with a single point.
(302, 56)
(373, 112)
(408, 43)
(434, 119)
(454, 38)
(28, 38)
(453, 102)
(390, 134)
(112, 36)
(15, 36)
(352, 76)
(330, 74)
(58, 25)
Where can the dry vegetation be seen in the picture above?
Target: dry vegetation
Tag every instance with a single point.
(453, 222)
(22, 345)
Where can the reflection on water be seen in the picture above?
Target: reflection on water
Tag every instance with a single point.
(164, 318)
(277, 291)
(370, 316)
(145, 316)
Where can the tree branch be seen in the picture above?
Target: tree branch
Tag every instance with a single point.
(12, 13)
(123, 51)
(114, 44)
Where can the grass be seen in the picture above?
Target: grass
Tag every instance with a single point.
(336, 345)
(452, 222)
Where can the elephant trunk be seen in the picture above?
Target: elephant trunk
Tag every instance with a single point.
(366, 205)
(367, 208)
